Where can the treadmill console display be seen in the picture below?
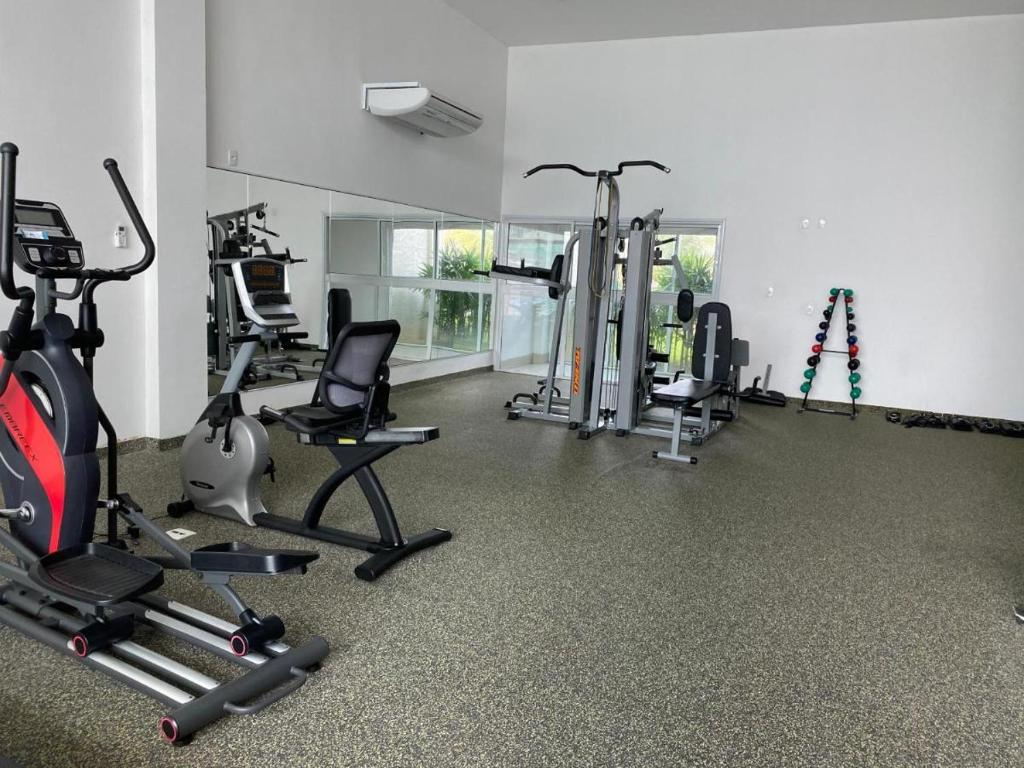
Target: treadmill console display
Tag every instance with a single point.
(44, 240)
(263, 276)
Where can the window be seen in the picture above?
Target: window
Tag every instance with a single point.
(536, 245)
(696, 248)
(412, 250)
(424, 279)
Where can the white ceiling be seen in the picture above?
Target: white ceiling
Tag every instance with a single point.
(532, 22)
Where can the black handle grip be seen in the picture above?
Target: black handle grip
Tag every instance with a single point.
(123, 273)
(21, 320)
(9, 152)
(634, 163)
(576, 169)
(133, 213)
(559, 166)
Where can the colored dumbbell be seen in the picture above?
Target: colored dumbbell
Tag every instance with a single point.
(813, 360)
(851, 339)
(850, 327)
(854, 350)
(809, 374)
(823, 325)
(848, 293)
(816, 348)
(848, 299)
(819, 337)
(854, 378)
(853, 365)
(832, 299)
(855, 393)
(805, 387)
(833, 292)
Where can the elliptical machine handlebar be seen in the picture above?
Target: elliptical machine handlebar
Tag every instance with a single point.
(591, 174)
(21, 319)
(137, 222)
(26, 296)
(98, 276)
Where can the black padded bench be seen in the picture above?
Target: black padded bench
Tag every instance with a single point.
(715, 354)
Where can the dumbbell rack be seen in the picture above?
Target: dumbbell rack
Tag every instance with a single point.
(851, 353)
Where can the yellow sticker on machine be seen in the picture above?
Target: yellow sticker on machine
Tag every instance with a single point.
(577, 357)
(347, 441)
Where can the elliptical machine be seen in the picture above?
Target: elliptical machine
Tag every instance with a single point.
(82, 598)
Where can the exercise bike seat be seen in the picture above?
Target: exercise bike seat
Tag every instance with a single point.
(96, 574)
(237, 557)
(317, 418)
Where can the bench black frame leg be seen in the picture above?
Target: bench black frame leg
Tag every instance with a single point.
(390, 547)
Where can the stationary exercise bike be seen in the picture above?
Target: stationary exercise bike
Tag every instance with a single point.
(83, 598)
(226, 455)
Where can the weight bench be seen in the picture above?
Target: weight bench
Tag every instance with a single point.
(718, 356)
(349, 416)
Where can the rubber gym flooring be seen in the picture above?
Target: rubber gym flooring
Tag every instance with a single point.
(815, 592)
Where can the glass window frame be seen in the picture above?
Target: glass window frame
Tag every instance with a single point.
(432, 285)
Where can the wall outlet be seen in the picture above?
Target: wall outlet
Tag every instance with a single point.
(120, 236)
(232, 157)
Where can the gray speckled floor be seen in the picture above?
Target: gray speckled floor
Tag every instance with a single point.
(815, 593)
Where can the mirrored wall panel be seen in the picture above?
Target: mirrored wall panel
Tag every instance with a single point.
(418, 267)
(277, 248)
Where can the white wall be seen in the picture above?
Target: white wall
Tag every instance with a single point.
(907, 138)
(68, 104)
(174, 184)
(284, 81)
(122, 79)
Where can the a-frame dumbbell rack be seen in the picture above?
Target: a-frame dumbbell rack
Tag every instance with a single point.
(851, 352)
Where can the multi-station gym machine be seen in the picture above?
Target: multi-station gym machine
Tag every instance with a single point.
(613, 370)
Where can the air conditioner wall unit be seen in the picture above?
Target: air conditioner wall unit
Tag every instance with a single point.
(425, 110)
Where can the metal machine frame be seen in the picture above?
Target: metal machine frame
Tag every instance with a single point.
(78, 596)
(588, 406)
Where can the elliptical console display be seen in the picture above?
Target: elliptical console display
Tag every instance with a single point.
(44, 239)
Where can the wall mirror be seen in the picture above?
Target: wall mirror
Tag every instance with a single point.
(276, 248)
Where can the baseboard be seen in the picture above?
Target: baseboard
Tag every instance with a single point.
(443, 377)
